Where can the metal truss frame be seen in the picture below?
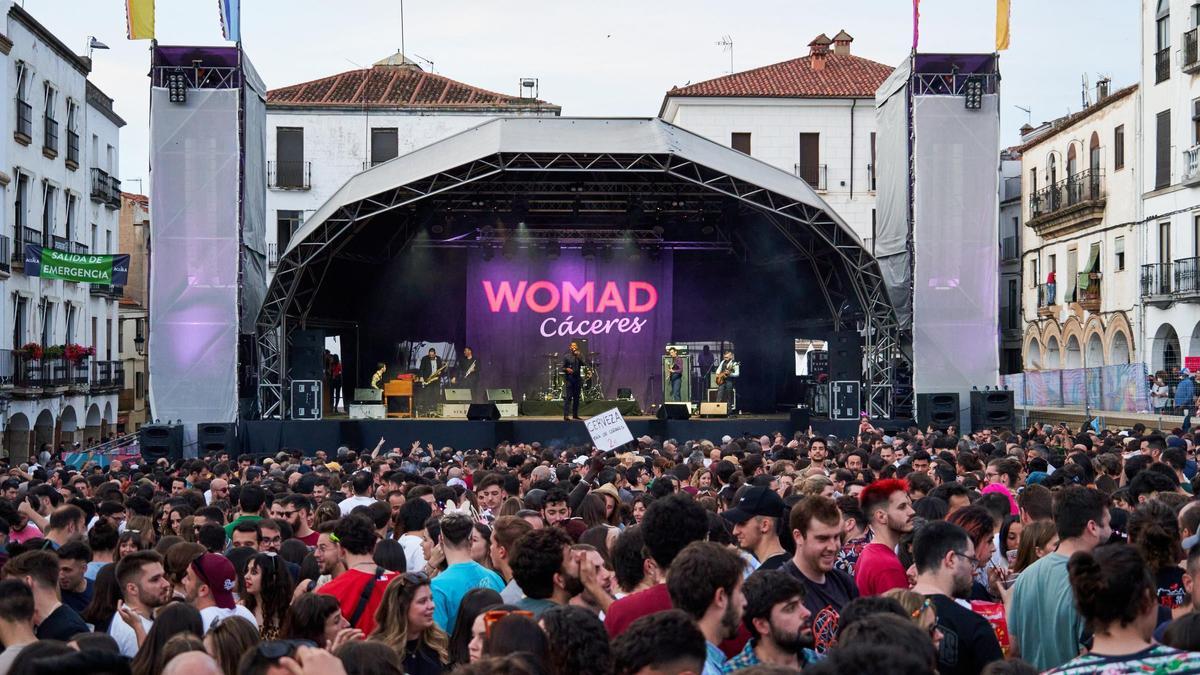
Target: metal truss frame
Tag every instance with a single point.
(199, 77)
(830, 248)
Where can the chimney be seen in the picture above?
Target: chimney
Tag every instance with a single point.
(818, 49)
(1102, 89)
(841, 43)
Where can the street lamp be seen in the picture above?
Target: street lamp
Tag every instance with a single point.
(139, 343)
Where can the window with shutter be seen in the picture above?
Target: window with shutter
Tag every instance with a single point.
(1162, 149)
(810, 159)
(740, 141)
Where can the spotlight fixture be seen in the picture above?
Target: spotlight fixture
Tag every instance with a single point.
(974, 93)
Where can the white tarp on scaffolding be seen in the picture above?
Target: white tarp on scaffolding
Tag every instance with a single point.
(956, 244)
(194, 163)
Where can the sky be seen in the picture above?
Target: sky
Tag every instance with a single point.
(611, 58)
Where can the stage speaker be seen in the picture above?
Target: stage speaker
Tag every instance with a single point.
(845, 356)
(992, 410)
(215, 437)
(483, 411)
(457, 395)
(306, 355)
(674, 411)
(160, 441)
(714, 409)
(624, 394)
(801, 418)
(937, 410)
(500, 395)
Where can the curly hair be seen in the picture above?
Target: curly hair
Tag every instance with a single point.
(578, 642)
(1154, 530)
(536, 558)
(670, 524)
(701, 569)
(275, 590)
(668, 641)
(1112, 585)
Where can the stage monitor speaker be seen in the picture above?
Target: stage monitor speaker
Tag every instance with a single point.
(624, 394)
(216, 437)
(483, 411)
(159, 441)
(368, 395)
(992, 410)
(306, 355)
(674, 411)
(456, 395)
(938, 410)
(714, 409)
(500, 395)
(801, 419)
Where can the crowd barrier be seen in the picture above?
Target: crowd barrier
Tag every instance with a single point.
(1120, 388)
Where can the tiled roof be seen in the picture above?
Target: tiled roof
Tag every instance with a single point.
(844, 76)
(396, 86)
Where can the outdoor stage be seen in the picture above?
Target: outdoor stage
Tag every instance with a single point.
(261, 437)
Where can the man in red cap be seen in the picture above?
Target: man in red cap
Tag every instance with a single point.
(209, 588)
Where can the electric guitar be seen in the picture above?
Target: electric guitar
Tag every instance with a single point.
(433, 377)
(725, 373)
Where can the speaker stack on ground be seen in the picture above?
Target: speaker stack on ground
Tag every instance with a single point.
(215, 437)
(306, 355)
(937, 410)
(161, 441)
(480, 412)
(992, 410)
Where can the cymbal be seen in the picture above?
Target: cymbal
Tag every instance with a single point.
(551, 355)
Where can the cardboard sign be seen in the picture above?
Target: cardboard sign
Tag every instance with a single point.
(1192, 363)
(608, 430)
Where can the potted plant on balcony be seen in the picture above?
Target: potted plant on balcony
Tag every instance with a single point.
(78, 354)
(31, 349)
(53, 352)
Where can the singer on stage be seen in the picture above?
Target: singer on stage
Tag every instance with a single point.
(572, 368)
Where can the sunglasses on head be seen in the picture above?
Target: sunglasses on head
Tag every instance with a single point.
(491, 617)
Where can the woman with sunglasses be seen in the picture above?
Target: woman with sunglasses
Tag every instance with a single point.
(266, 590)
(481, 628)
(404, 622)
(921, 610)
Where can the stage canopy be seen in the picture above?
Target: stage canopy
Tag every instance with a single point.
(593, 179)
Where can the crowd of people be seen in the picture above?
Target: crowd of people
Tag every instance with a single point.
(892, 551)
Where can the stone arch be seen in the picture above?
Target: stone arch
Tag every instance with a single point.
(1072, 353)
(16, 437)
(1033, 351)
(68, 420)
(108, 413)
(1053, 358)
(1051, 329)
(93, 416)
(43, 430)
(1166, 354)
(1093, 355)
(1071, 167)
(1118, 326)
(1072, 328)
(1095, 162)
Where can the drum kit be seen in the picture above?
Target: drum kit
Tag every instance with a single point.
(592, 388)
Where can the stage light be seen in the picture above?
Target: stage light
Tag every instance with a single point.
(974, 93)
(177, 87)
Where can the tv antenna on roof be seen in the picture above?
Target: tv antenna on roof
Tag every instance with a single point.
(1028, 114)
(429, 61)
(726, 42)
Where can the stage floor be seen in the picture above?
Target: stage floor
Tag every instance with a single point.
(269, 436)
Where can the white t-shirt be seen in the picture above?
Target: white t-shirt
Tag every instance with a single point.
(348, 505)
(211, 616)
(414, 556)
(124, 635)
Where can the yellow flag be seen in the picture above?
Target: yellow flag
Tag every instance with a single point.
(1002, 14)
(140, 17)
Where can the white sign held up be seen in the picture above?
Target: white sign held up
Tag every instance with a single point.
(608, 430)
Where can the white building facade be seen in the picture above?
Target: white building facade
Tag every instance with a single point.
(321, 133)
(1011, 219)
(1079, 243)
(813, 116)
(60, 138)
(1170, 185)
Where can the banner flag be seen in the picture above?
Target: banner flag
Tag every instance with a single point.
(139, 17)
(231, 19)
(916, 23)
(106, 270)
(1003, 13)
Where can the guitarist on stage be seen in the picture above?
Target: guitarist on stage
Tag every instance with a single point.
(728, 371)
(468, 371)
(429, 381)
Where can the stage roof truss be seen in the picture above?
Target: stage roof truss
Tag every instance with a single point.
(642, 176)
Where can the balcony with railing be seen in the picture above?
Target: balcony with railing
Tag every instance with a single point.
(1047, 299)
(26, 372)
(816, 175)
(114, 193)
(100, 186)
(25, 235)
(287, 175)
(272, 255)
(1191, 165)
(50, 137)
(79, 248)
(1191, 56)
(79, 374)
(108, 376)
(23, 132)
(1087, 291)
(1071, 204)
(5, 256)
(1157, 282)
(60, 244)
(1009, 248)
(72, 160)
(1162, 65)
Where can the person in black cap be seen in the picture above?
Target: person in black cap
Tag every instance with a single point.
(755, 518)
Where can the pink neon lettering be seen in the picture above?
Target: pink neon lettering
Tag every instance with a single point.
(531, 297)
(586, 294)
(611, 297)
(504, 295)
(651, 296)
